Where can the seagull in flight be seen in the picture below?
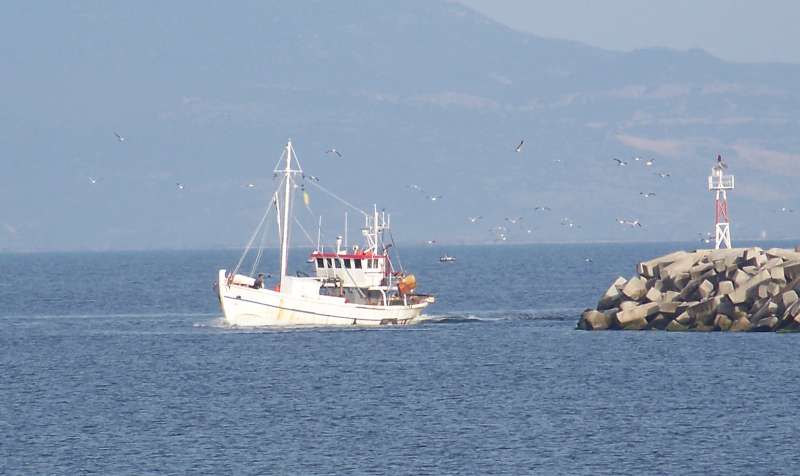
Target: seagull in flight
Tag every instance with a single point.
(647, 194)
(630, 223)
(588, 260)
(431, 242)
(93, 180)
(179, 185)
(514, 221)
(620, 163)
(781, 209)
(415, 187)
(649, 162)
(334, 151)
(474, 219)
(433, 198)
(519, 146)
(542, 209)
(119, 137)
(663, 174)
(569, 223)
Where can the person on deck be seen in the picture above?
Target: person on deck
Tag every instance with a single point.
(259, 282)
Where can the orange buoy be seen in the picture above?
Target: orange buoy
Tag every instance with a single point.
(407, 284)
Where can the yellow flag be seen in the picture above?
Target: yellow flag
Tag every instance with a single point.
(306, 198)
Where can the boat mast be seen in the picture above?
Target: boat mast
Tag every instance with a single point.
(287, 196)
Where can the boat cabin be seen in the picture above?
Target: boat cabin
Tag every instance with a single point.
(357, 270)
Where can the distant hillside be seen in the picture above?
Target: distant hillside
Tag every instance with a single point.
(412, 92)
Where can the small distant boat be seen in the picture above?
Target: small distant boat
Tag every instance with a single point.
(447, 258)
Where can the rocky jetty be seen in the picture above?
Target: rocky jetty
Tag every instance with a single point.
(739, 289)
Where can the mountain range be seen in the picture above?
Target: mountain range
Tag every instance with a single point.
(419, 92)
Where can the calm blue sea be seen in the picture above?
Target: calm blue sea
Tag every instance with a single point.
(117, 363)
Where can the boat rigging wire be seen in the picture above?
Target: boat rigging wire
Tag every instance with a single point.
(345, 202)
(397, 252)
(249, 244)
(264, 235)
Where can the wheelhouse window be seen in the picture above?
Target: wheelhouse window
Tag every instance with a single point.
(357, 263)
(338, 262)
(369, 263)
(347, 263)
(320, 263)
(330, 262)
(374, 263)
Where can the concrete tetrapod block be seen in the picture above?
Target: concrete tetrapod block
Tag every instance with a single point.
(720, 266)
(675, 326)
(668, 308)
(767, 309)
(741, 324)
(751, 254)
(762, 291)
(728, 254)
(722, 322)
(705, 311)
(750, 270)
(767, 324)
(725, 287)
(626, 305)
(684, 319)
(791, 269)
(620, 282)
(679, 267)
(610, 299)
(595, 320)
(650, 269)
(773, 262)
(743, 292)
(635, 288)
(739, 277)
(700, 269)
(653, 295)
(774, 289)
(636, 318)
(670, 296)
(705, 289)
(689, 289)
(660, 322)
(787, 255)
(777, 274)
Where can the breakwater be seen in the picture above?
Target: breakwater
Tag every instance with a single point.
(739, 289)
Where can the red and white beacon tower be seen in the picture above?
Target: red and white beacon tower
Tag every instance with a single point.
(720, 183)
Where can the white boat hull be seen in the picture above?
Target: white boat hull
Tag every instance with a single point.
(247, 307)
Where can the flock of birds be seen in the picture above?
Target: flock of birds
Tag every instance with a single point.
(249, 185)
(503, 231)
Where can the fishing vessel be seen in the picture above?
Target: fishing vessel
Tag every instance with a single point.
(356, 286)
(446, 258)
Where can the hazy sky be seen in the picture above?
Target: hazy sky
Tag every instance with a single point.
(736, 30)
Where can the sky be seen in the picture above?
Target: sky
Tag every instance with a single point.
(735, 30)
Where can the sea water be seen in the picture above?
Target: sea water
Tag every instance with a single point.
(118, 363)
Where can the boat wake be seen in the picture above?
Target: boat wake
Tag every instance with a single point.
(455, 317)
(459, 317)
